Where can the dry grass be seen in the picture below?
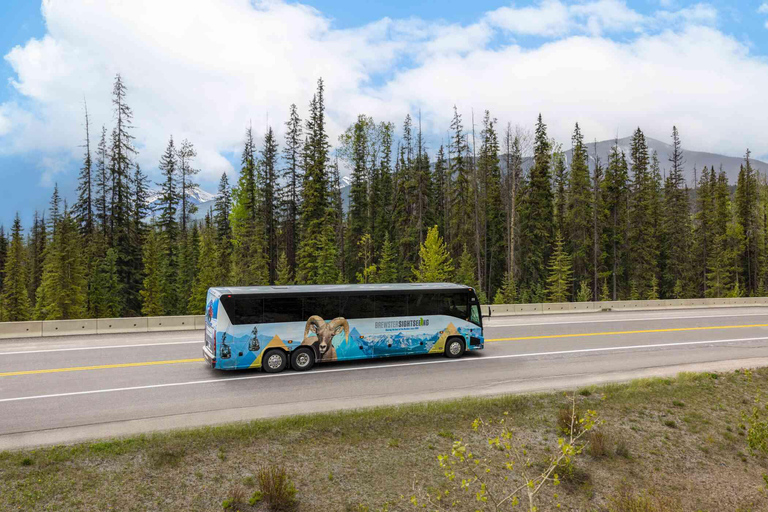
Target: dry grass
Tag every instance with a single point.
(365, 460)
(277, 490)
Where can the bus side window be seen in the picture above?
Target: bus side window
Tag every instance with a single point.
(391, 305)
(282, 309)
(356, 306)
(454, 304)
(423, 304)
(244, 310)
(326, 307)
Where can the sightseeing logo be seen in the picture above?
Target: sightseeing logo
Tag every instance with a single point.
(403, 324)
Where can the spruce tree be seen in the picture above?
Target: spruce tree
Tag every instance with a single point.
(578, 216)
(102, 184)
(169, 231)
(677, 227)
(615, 193)
(38, 241)
(186, 182)
(536, 219)
(642, 236)
(84, 208)
(107, 297)
(747, 213)
(560, 273)
(388, 268)
(466, 274)
(462, 199)
(15, 300)
(507, 294)
(293, 178)
(560, 178)
(152, 288)
(284, 271)
(495, 249)
(435, 262)
(223, 231)
(382, 193)
(440, 187)
(270, 201)
(3, 257)
(359, 220)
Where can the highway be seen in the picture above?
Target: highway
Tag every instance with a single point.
(69, 389)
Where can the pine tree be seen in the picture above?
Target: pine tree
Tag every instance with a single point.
(121, 156)
(3, 257)
(490, 169)
(677, 226)
(560, 178)
(15, 300)
(382, 192)
(703, 229)
(507, 294)
(207, 275)
(284, 271)
(560, 274)
(83, 209)
(598, 218)
(578, 217)
(466, 274)
(359, 220)
(536, 220)
(270, 201)
(365, 256)
(440, 187)
(435, 262)
(642, 236)
(335, 217)
(38, 241)
(223, 242)
(388, 268)
(747, 213)
(585, 293)
(186, 182)
(615, 191)
(462, 199)
(293, 177)
(152, 288)
(169, 231)
(107, 299)
(102, 184)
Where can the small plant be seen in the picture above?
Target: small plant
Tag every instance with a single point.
(670, 423)
(446, 434)
(26, 461)
(585, 392)
(598, 444)
(170, 457)
(257, 497)
(678, 403)
(236, 498)
(622, 450)
(393, 443)
(277, 490)
(330, 476)
(569, 421)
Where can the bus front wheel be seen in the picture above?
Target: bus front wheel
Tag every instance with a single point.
(275, 361)
(302, 359)
(454, 347)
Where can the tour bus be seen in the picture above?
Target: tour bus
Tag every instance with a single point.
(273, 327)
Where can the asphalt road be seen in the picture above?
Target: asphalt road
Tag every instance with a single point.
(68, 389)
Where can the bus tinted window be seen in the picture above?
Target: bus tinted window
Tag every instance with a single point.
(391, 305)
(282, 309)
(357, 306)
(454, 304)
(327, 307)
(423, 304)
(244, 310)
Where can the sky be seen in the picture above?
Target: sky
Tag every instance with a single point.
(206, 69)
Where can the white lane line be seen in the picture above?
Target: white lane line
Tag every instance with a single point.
(378, 367)
(491, 325)
(199, 342)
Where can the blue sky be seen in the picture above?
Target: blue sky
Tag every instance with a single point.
(608, 64)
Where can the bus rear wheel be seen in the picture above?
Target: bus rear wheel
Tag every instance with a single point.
(302, 359)
(274, 361)
(454, 347)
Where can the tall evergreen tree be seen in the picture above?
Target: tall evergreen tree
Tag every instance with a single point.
(578, 217)
(388, 268)
(462, 199)
(615, 191)
(38, 241)
(223, 230)
(536, 220)
(169, 230)
(152, 295)
(559, 281)
(359, 220)
(3, 257)
(185, 156)
(102, 183)
(748, 215)
(84, 208)
(293, 178)
(15, 300)
(494, 250)
(107, 297)
(270, 201)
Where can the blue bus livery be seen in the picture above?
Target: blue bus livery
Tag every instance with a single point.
(274, 327)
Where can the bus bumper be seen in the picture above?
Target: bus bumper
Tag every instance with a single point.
(209, 357)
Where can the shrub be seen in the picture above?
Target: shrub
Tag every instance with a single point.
(598, 444)
(236, 498)
(276, 488)
(26, 461)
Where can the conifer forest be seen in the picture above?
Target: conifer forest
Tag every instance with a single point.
(497, 207)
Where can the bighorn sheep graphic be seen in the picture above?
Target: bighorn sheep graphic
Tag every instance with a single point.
(325, 333)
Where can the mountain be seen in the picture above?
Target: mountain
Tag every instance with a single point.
(693, 160)
(197, 196)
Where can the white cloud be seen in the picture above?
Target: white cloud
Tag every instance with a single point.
(204, 71)
(763, 9)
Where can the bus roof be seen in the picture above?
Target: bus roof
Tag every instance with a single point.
(336, 288)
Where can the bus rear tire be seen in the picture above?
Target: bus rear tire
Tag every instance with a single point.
(454, 347)
(274, 361)
(302, 359)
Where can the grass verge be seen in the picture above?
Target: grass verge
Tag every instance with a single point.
(666, 444)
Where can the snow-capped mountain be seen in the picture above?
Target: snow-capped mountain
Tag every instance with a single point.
(197, 196)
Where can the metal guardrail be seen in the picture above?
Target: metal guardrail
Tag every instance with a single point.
(37, 329)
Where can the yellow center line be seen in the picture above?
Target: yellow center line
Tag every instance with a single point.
(100, 367)
(614, 333)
